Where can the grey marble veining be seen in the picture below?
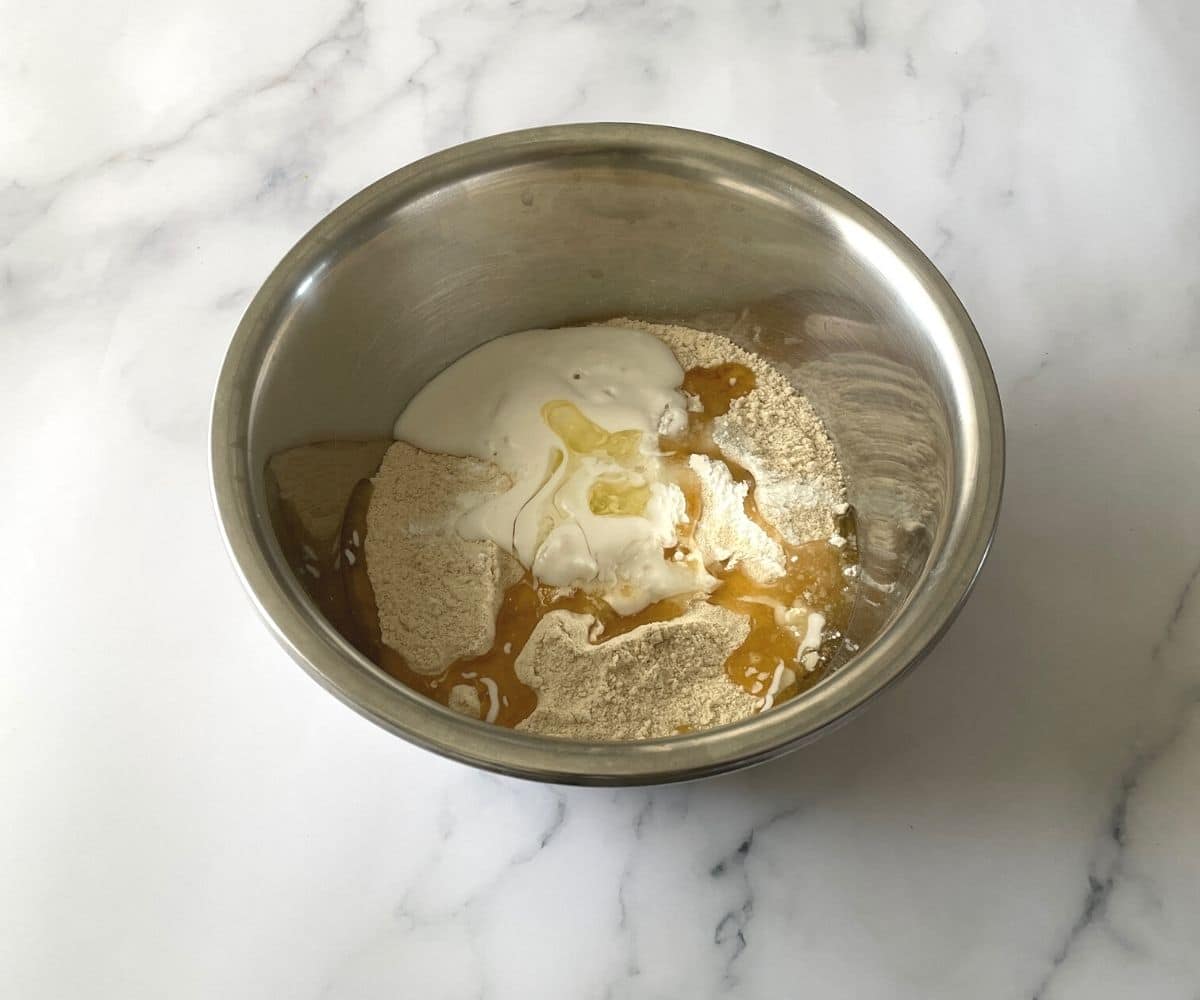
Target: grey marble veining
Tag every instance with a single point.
(188, 815)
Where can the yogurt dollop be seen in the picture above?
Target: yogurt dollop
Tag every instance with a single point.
(572, 416)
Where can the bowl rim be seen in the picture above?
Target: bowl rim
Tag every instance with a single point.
(933, 605)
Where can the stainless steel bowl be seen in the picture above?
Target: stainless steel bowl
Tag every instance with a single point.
(559, 225)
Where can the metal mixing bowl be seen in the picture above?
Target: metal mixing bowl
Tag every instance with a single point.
(578, 223)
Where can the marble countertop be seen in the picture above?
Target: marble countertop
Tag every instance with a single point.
(187, 815)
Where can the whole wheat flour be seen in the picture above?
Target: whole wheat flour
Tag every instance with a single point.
(653, 681)
(464, 698)
(315, 482)
(772, 431)
(437, 593)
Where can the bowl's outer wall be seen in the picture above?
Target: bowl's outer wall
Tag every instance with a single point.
(582, 223)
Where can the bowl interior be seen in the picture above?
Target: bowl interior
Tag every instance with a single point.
(567, 226)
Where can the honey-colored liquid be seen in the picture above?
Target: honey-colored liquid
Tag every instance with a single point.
(815, 574)
(815, 571)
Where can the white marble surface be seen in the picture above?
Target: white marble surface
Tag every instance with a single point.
(185, 814)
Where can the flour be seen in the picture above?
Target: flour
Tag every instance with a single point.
(437, 592)
(650, 682)
(724, 532)
(464, 698)
(773, 432)
(315, 482)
